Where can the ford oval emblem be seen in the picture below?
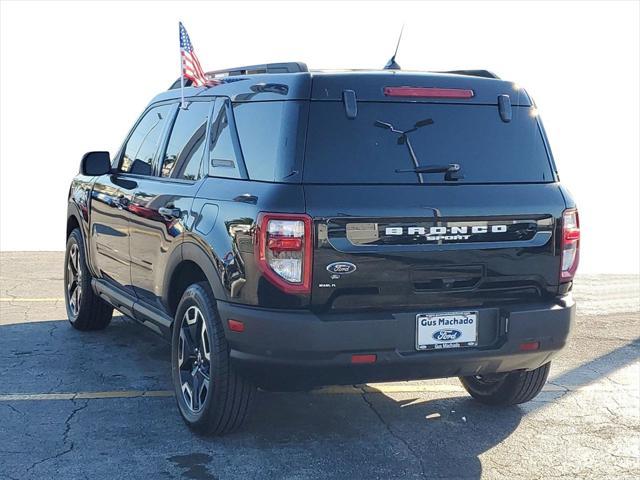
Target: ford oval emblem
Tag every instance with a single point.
(341, 268)
(447, 335)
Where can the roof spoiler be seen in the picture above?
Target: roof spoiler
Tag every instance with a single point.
(473, 73)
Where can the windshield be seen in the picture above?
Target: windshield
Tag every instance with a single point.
(363, 150)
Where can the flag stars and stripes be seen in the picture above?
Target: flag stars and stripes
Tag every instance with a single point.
(191, 67)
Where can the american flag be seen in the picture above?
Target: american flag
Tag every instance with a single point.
(191, 68)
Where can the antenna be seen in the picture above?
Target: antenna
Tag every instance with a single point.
(391, 64)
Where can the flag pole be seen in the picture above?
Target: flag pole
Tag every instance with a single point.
(181, 71)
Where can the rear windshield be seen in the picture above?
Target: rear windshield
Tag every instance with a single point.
(363, 150)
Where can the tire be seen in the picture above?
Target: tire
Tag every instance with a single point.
(85, 309)
(507, 389)
(200, 364)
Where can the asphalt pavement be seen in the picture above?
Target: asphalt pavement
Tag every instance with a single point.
(99, 405)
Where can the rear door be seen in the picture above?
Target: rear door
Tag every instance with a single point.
(390, 237)
(161, 201)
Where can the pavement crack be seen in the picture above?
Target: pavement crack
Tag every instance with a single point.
(407, 445)
(11, 407)
(564, 388)
(56, 387)
(65, 436)
(9, 292)
(53, 328)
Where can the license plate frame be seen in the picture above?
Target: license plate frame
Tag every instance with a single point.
(446, 323)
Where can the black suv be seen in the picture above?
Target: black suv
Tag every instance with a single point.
(289, 229)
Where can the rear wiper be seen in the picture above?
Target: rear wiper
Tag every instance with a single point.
(452, 167)
(452, 170)
(403, 139)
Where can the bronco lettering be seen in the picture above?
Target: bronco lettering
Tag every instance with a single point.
(455, 230)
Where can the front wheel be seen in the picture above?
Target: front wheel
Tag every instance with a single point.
(85, 309)
(212, 397)
(507, 388)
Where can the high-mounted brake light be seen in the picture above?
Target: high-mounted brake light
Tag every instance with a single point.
(570, 244)
(428, 92)
(283, 250)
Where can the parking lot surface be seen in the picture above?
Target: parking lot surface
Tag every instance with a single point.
(98, 405)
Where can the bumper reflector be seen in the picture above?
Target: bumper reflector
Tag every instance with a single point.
(367, 358)
(527, 347)
(235, 325)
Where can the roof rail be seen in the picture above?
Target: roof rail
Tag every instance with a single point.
(473, 73)
(286, 67)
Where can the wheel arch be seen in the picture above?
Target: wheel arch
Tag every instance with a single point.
(72, 224)
(75, 220)
(193, 265)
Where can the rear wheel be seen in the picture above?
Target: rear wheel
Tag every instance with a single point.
(507, 388)
(85, 309)
(211, 396)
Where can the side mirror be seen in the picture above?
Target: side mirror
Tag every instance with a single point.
(94, 164)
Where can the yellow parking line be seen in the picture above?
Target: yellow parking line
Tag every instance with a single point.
(334, 390)
(13, 397)
(28, 300)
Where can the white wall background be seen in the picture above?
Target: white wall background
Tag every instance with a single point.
(74, 77)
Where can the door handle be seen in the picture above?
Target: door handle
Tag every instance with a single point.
(170, 212)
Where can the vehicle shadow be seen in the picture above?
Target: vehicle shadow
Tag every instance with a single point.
(374, 435)
(384, 436)
(303, 435)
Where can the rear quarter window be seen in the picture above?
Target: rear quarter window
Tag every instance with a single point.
(271, 139)
(343, 150)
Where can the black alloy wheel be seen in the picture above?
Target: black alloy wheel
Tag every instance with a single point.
(194, 359)
(85, 309)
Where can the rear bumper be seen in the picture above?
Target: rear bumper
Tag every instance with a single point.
(301, 347)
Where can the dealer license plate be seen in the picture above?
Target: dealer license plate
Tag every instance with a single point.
(446, 330)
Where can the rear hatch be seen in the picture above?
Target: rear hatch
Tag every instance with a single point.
(388, 237)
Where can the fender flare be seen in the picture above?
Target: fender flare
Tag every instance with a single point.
(74, 211)
(196, 254)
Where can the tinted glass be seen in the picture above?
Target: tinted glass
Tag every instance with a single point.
(343, 150)
(183, 156)
(223, 148)
(269, 138)
(144, 141)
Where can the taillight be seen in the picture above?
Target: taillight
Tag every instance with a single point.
(570, 244)
(284, 250)
(428, 92)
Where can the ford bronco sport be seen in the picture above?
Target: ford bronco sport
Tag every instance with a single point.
(288, 229)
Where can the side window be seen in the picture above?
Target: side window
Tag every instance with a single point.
(270, 138)
(183, 156)
(143, 142)
(223, 146)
